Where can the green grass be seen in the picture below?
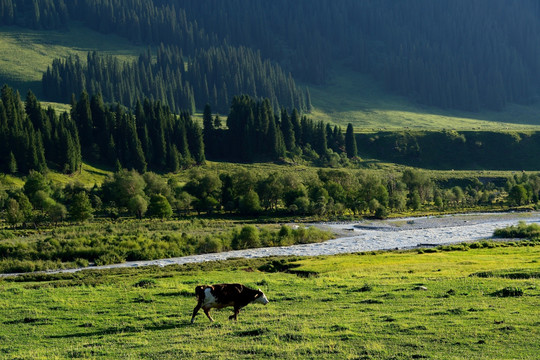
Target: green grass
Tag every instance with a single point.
(351, 97)
(25, 54)
(353, 307)
(87, 176)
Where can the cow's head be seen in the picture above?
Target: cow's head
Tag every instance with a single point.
(260, 298)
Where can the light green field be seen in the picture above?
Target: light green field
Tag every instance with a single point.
(25, 54)
(385, 306)
(351, 97)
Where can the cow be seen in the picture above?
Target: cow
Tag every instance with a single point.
(223, 295)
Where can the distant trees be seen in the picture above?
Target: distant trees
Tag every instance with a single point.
(210, 76)
(255, 132)
(324, 193)
(445, 55)
(151, 137)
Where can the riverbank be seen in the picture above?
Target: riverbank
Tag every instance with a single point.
(368, 235)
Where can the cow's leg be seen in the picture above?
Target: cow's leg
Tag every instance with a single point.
(207, 312)
(195, 311)
(235, 315)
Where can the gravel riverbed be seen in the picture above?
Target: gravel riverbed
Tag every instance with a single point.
(372, 235)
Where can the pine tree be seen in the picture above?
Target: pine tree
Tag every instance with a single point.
(12, 165)
(288, 131)
(208, 130)
(350, 142)
(83, 119)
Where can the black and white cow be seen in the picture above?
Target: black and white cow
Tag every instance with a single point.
(223, 295)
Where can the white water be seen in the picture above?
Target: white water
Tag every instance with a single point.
(368, 236)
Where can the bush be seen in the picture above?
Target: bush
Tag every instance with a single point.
(247, 238)
(145, 283)
(110, 258)
(508, 292)
(210, 245)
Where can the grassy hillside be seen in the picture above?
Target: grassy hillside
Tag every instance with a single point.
(373, 306)
(347, 96)
(25, 54)
(351, 97)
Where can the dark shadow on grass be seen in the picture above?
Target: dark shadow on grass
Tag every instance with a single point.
(183, 293)
(125, 329)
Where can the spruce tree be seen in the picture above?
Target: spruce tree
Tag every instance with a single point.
(12, 165)
(350, 142)
(208, 130)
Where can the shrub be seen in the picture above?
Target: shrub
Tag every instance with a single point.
(145, 283)
(210, 245)
(508, 292)
(247, 238)
(110, 258)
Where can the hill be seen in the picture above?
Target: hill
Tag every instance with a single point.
(352, 97)
(461, 65)
(26, 53)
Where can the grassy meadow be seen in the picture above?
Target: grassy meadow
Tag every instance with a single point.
(352, 97)
(392, 305)
(25, 54)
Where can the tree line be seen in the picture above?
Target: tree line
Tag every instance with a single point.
(255, 132)
(210, 76)
(152, 137)
(450, 149)
(465, 55)
(33, 138)
(461, 55)
(324, 193)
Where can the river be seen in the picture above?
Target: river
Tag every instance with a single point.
(372, 235)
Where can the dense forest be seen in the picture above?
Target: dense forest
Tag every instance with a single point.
(32, 138)
(211, 76)
(460, 54)
(152, 137)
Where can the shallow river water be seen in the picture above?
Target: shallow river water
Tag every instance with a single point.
(369, 236)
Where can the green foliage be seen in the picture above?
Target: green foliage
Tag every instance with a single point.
(250, 203)
(522, 230)
(247, 238)
(81, 208)
(159, 207)
(100, 244)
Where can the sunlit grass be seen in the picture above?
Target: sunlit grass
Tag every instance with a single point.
(25, 54)
(352, 97)
(399, 305)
